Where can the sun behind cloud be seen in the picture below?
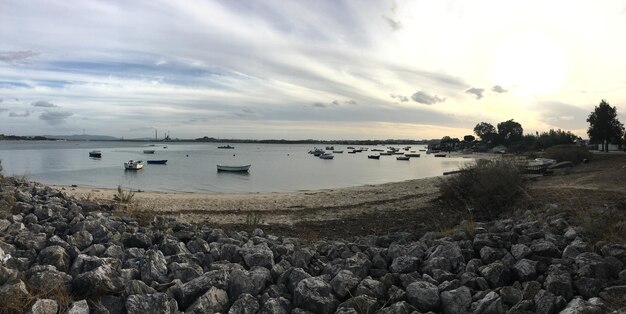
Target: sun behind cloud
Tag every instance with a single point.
(532, 64)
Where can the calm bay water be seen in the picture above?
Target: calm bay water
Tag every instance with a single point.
(191, 167)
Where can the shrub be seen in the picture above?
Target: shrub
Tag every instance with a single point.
(123, 197)
(573, 153)
(485, 189)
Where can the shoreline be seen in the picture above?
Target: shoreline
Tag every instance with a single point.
(285, 208)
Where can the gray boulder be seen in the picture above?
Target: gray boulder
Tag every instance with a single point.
(496, 274)
(44, 306)
(447, 256)
(213, 301)
(315, 295)
(258, 255)
(78, 307)
(278, 305)
(456, 301)
(343, 283)
(559, 283)
(193, 289)
(401, 307)
(404, 264)
(100, 281)
(360, 304)
(580, 306)
(372, 288)
(246, 304)
(151, 303)
(525, 270)
(490, 304)
(239, 283)
(153, 267)
(56, 256)
(423, 295)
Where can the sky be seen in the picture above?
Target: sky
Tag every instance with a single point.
(307, 69)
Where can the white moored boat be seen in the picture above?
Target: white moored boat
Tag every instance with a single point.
(133, 165)
(242, 168)
(327, 156)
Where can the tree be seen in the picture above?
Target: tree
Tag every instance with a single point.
(446, 139)
(510, 131)
(469, 138)
(604, 126)
(485, 131)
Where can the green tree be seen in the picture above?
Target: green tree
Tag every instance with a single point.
(485, 131)
(509, 132)
(604, 127)
(469, 138)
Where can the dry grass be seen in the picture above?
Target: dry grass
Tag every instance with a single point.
(599, 213)
(253, 220)
(18, 303)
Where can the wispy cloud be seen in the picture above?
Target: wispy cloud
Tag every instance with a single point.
(478, 92)
(400, 98)
(18, 57)
(55, 117)
(43, 104)
(498, 89)
(19, 115)
(424, 98)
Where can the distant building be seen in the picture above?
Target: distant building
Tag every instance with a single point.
(612, 147)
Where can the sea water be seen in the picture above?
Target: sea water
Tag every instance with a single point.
(191, 167)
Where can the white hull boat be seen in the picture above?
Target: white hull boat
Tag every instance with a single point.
(133, 165)
(327, 156)
(231, 168)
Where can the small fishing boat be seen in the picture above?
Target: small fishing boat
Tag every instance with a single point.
(412, 154)
(385, 153)
(432, 151)
(133, 165)
(330, 147)
(377, 150)
(327, 156)
(352, 152)
(337, 151)
(440, 155)
(157, 162)
(226, 147)
(95, 154)
(148, 151)
(373, 156)
(316, 152)
(350, 147)
(422, 150)
(231, 168)
(403, 158)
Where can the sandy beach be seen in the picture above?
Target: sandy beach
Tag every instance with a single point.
(277, 208)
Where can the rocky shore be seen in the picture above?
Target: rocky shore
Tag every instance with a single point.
(59, 254)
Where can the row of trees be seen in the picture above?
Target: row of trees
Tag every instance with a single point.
(604, 128)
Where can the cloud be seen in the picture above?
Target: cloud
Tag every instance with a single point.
(394, 24)
(43, 104)
(562, 115)
(478, 92)
(400, 98)
(19, 115)
(18, 57)
(319, 105)
(498, 89)
(3, 109)
(351, 102)
(423, 98)
(55, 117)
(335, 102)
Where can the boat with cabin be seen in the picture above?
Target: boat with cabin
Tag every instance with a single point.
(148, 151)
(403, 157)
(373, 156)
(226, 147)
(133, 165)
(95, 154)
(327, 156)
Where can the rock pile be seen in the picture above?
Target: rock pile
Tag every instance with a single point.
(50, 245)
